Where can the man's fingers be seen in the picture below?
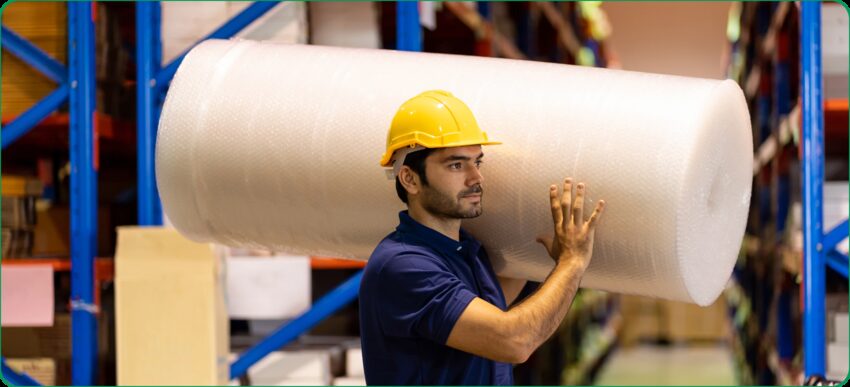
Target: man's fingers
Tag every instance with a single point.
(578, 206)
(566, 199)
(597, 212)
(557, 214)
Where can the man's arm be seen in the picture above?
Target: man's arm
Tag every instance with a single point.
(511, 336)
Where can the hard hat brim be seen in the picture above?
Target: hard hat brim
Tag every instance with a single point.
(385, 160)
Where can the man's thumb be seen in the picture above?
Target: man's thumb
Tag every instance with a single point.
(546, 242)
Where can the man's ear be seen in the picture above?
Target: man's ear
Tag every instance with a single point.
(409, 180)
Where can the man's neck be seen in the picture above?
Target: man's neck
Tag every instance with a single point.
(449, 227)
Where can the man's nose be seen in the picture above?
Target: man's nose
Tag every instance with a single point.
(475, 177)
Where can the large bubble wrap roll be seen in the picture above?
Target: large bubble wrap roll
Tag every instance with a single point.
(277, 146)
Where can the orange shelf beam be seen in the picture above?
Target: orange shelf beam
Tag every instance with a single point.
(104, 267)
(104, 123)
(325, 263)
(836, 116)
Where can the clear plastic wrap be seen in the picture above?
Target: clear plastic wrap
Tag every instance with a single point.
(277, 146)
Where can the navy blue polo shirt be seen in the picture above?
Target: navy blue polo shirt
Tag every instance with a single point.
(414, 288)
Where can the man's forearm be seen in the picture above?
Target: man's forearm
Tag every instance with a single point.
(539, 315)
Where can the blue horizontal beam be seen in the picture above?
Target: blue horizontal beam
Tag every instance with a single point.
(837, 261)
(33, 56)
(227, 30)
(327, 305)
(835, 236)
(17, 379)
(30, 118)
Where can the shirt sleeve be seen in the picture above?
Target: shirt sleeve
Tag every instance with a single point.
(420, 298)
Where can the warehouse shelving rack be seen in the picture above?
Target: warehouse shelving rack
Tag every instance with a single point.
(76, 83)
(76, 86)
(152, 83)
(819, 252)
(818, 248)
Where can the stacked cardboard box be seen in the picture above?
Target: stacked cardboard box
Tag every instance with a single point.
(171, 320)
(354, 374)
(18, 214)
(292, 368)
(45, 25)
(647, 319)
(837, 361)
(41, 369)
(30, 344)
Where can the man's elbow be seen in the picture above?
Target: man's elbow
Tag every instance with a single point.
(517, 345)
(518, 354)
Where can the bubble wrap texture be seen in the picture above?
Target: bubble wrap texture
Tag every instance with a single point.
(277, 146)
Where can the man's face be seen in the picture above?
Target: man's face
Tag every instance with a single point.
(454, 182)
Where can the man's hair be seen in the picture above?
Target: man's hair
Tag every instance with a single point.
(416, 162)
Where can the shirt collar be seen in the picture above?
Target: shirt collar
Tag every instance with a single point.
(433, 238)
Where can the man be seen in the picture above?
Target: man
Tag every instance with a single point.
(432, 310)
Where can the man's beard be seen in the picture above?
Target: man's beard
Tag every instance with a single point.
(444, 205)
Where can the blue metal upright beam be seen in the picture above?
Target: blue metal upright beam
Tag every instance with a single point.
(814, 287)
(147, 115)
(83, 193)
(33, 56)
(408, 30)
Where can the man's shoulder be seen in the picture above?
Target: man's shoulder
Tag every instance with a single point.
(394, 251)
(395, 245)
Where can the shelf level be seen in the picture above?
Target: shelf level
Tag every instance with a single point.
(104, 267)
(325, 263)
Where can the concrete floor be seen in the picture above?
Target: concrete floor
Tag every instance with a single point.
(651, 365)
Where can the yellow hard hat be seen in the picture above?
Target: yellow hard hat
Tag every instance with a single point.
(433, 119)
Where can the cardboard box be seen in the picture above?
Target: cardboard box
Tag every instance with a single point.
(51, 234)
(651, 319)
(311, 367)
(43, 370)
(837, 361)
(640, 319)
(354, 362)
(350, 381)
(55, 343)
(842, 329)
(171, 321)
(184, 23)
(45, 25)
(689, 322)
(268, 287)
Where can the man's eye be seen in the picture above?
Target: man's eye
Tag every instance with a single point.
(478, 163)
(454, 166)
